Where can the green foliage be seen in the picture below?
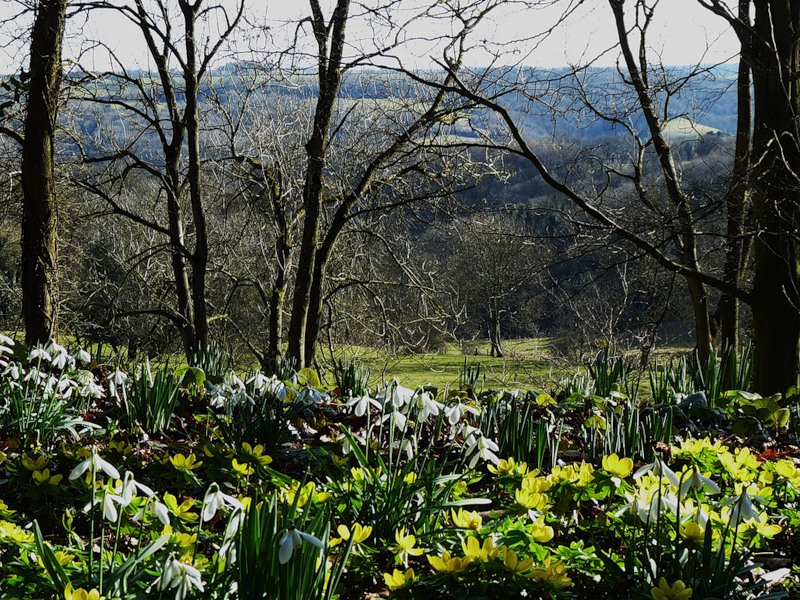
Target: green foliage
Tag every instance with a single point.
(351, 377)
(151, 398)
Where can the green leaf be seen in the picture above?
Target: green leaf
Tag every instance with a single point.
(309, 376)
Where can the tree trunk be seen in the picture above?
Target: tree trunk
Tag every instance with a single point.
(727, 314)
(776, 308)
(199, 258)
(330, 77)
(494, 328)
(39, 233)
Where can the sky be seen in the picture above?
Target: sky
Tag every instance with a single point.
(683, 33)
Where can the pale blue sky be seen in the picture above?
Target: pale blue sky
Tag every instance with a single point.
(683, 33)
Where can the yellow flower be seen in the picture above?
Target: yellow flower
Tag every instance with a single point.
(533, 483)
(466, 519)
(32, 465)
(242, 468)
(359, 534)
(676, 591)
(398, 579)
(508, 467)
(256, 454)
(182, 510)
(184, 540)
(447, 564)
(4, 510)
(44, 477)
(410, 478)
(81, 594)
(185, 464)
(540, 531)
(562, 474)
(787, 469)
(693, 532)
(406, 546)
(15, 533)
(514, 564)
(62, 557)
(585, 474)
(473, 549)
(554, 573)
(531, 500)
(762, 527)
(618, 467)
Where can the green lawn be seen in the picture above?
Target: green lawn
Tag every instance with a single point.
(527, 364)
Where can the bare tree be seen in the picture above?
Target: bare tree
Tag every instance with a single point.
(164, 109)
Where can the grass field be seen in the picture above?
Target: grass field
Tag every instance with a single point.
(527, 364)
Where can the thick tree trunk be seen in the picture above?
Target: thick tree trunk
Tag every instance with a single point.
(727, 314)
(776, 195)
(39, 234)
(278, 295)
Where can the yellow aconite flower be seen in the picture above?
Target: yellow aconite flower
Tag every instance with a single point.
(540, 531)
(185, 463)
(62, 557)
(4, 510)
(15, 533)
(359, 534)
(762, 527)
(410, 478)
(398, 579)
(787, 469)
(184, 540)
(44, 478)
(183, 510)
(585, 474)
(242, 468)
(473, 549)
(693, 532)
(466, 519)
(305, 494)
(562, 474)
(531, 500)
(507, 466)
(447, 564)
(676, 591)
(81, 594)
(533, 483)
(32, 465)
(552, 572)
(256, 454)
(406, 545)
(514, 564)
(616, 466)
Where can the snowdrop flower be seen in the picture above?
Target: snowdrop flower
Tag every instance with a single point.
(743, 508)
(311, 395)
(60, 357)
(155, 508)
(427, 406)
(481, 447)
(116, 380)
(399, 419)
(228, 548)
(128, 486)
(97, 464)
(215, 500)
(109, 510)
(179, 575)
(39, 353)
(398, 395)
(659, 468)
(83, 356)
(697, 481)
(360, 404)
(293, 539)
(455, 413)
(5, 340)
